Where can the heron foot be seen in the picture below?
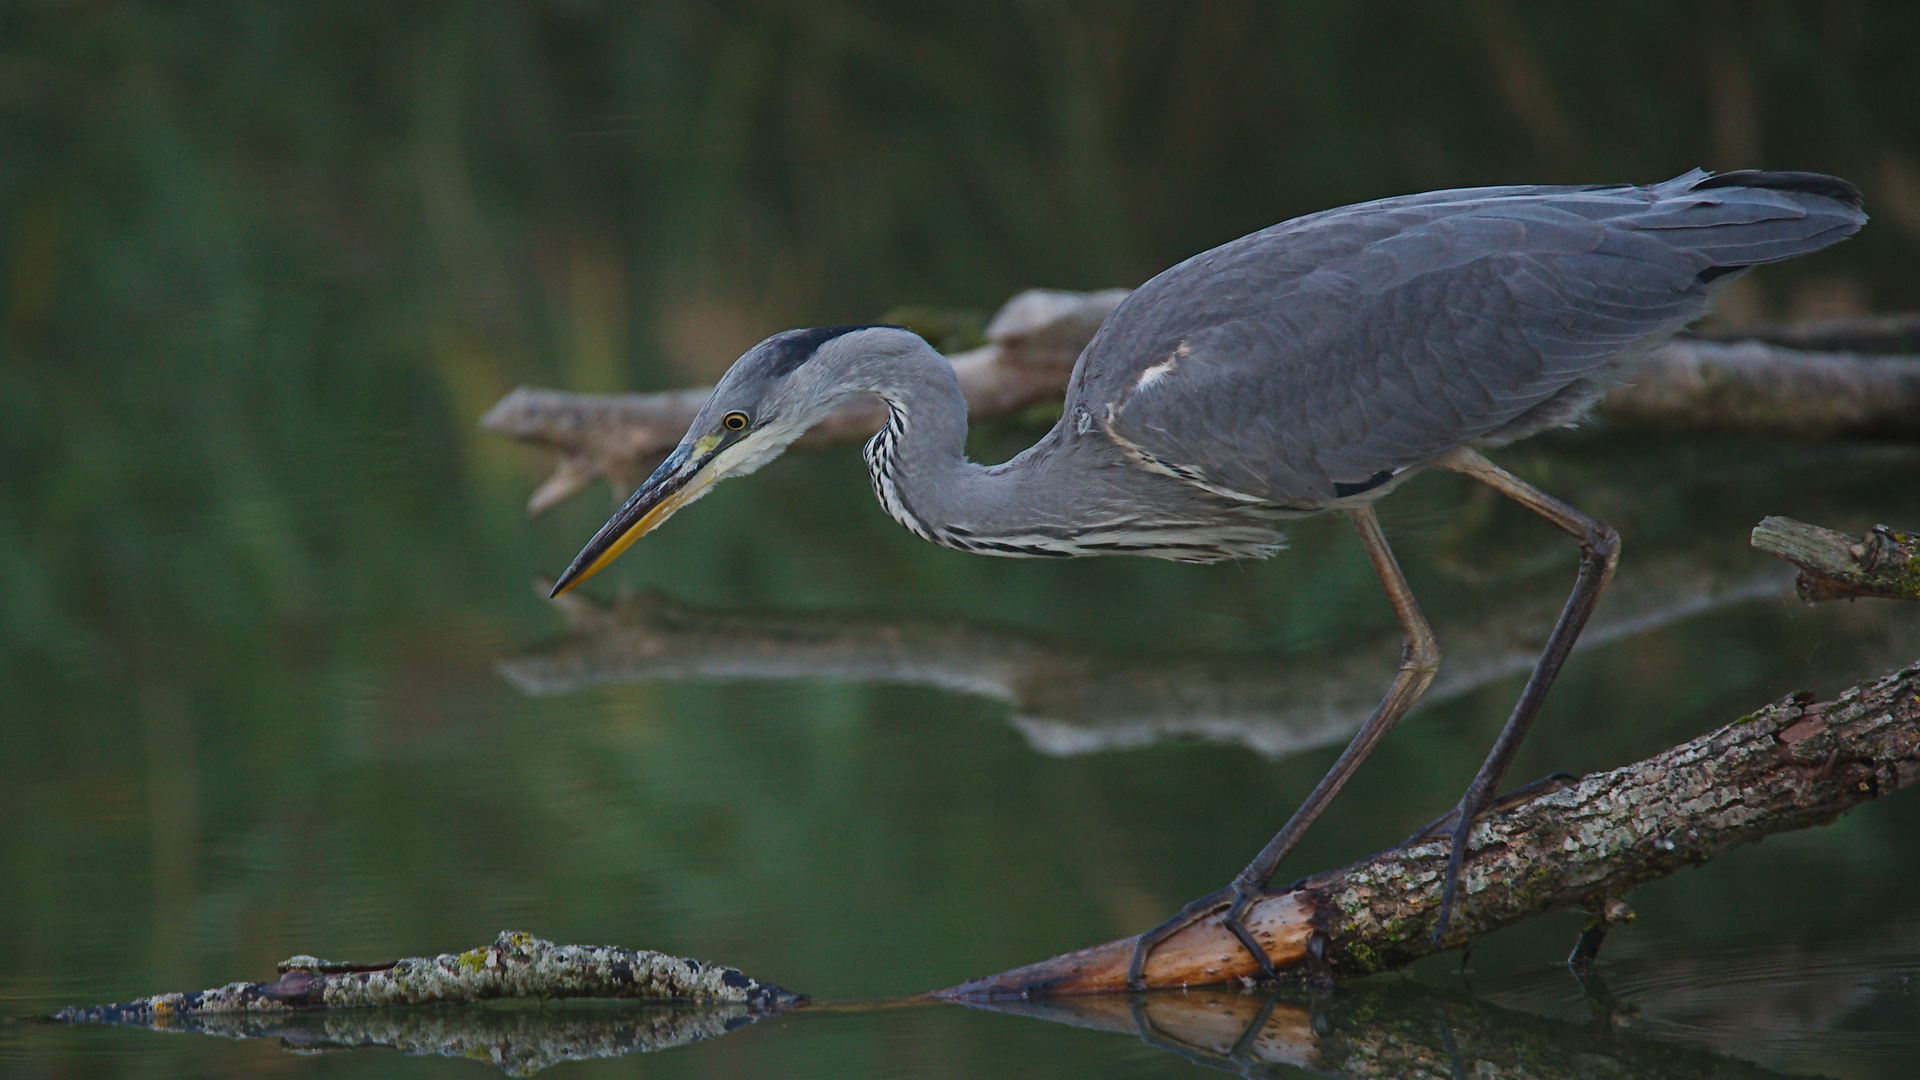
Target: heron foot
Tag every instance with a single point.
(1236, 898)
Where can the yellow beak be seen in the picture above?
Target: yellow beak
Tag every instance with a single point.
(680, 479)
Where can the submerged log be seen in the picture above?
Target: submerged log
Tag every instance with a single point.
(516, 965)
(1835, 566)
(1790, 381)
(1792, 765)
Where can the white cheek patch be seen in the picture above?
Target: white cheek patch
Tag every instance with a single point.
(756, 450)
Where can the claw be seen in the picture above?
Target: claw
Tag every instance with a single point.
(1238, 897)
(1456, 855)
(1458, 825)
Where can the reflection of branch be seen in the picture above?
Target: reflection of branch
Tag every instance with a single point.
(1375, 1030)
(1033, 341)
(1789, 766)
(1067, 699)
(1835, 566)
(521, 1041)
(516, 965)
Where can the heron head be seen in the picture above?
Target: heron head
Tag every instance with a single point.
(766, 400)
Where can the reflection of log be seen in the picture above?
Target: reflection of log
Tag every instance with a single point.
(516, 965)
(1789, 766)
(1835, 566)
(1066, 699)
(1033, 340)
(1392, 1030)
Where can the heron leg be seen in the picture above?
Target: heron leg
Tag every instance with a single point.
(1419, 661)
(1599, 552)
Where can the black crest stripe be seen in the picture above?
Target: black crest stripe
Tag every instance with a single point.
(795, 347)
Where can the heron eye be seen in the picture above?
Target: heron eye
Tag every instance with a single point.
(735, 421)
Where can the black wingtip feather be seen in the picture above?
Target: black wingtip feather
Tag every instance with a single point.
(1811, 183)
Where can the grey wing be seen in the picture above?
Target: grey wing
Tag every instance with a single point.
(1309, 360)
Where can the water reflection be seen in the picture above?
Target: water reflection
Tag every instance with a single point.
(1069, 699)
(521, 1038)
(1733, 1015)
(1745, 1014)
(1780, 1003)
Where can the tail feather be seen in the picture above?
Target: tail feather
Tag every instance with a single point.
(1748, 217)
(1808, 183)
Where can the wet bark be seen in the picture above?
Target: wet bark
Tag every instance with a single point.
(1835, 566)
(1809, 382)
(1792, 765)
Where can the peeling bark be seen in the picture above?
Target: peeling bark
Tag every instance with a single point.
(1791, 765)
(1835, 566)
(1748, 385)
(516, 965)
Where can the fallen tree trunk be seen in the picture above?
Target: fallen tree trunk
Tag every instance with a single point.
(1792, 765)
(1746, 385)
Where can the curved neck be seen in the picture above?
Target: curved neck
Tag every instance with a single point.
(917, 461)
(1062, 496)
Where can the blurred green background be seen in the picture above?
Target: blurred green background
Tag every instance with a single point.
(262, 266)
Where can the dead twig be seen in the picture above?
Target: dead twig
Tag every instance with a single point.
(1835, 566)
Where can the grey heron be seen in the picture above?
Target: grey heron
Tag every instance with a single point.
(1312, 366)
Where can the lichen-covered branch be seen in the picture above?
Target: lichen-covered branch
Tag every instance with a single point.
(1835, 566)
(1795, 381)
(1789, 766)
(516, 965)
